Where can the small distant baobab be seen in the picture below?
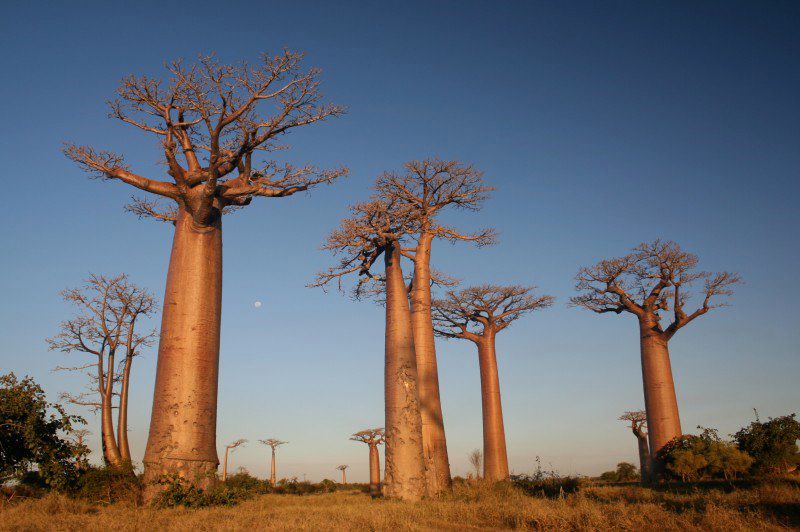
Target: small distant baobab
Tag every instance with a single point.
(273, 444)
(373, 438)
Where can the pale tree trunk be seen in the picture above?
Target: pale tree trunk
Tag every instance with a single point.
(344, 477)
(111, 452)
(495, 458)
(183, 425)
(272, 469)
(405, 466)
(661, 404)
(374, 471)
(437, 465)
(122, 419)
(644, 456)
(225, 466)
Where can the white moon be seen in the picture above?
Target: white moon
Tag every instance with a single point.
(257, 304)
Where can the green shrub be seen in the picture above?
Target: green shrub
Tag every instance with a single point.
(705, 456)
(108, 485)
(178, 492)
(546, 483)
(773, 444)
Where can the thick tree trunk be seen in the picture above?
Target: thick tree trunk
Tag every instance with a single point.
(644, 457)
(111, 452)
(272, 479)
(405, 466)
(374, 471)
(495, 458)
(183, 425)
(344, 477)
(434, 443)
(122, 419)
(661, 404)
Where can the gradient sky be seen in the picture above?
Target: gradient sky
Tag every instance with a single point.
(602, 124)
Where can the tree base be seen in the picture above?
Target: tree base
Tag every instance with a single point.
(158, 476)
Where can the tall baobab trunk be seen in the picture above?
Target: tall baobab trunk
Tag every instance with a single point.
(495, 458)
(272, 469)
(344, 476)
(111, 453)
(437, 465)
(374, 471)
(405, 467)
(225, 465)
(644, 456)
(661, 403)
(122, 419)
(183, 425)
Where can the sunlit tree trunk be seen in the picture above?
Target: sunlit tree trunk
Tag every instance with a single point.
(272, 471)
(495, 458)
(374, 471)
(122, 419)
(405, 467)
(661, 404)
(437, 465)
(111, 452)
(644, 456)
(225, 465)
(182, 436)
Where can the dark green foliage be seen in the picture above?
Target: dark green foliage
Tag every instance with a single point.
(705, 456)
(108, 485)
(179, 492)
(546, 483)
(625, 472)
(246, 482)
(772, 443)
(31, 431)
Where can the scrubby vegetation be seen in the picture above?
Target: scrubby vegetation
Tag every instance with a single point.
(768, 505)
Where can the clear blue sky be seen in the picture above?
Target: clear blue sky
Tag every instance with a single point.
(600, 124)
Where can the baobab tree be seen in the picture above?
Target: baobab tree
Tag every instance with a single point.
(427, 188)
(637, 421)
(373, 438)
(105, 330)
(379, 228)
(343, 468)
(646, 282)
(229, 447)
(477, 314)
(273, 444)
(212, 121)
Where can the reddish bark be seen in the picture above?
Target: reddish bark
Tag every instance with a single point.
(478, 314)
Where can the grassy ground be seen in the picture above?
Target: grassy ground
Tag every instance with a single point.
(765, 506)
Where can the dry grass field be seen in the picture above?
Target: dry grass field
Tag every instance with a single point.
(766, 506)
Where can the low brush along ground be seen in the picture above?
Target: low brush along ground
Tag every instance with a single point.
(768, 505)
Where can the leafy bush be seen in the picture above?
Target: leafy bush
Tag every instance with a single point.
(31, 434)
(178, 492)
(108, 485)
(546, 483)
(773, 444)
(625, 472)
(695, 457)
